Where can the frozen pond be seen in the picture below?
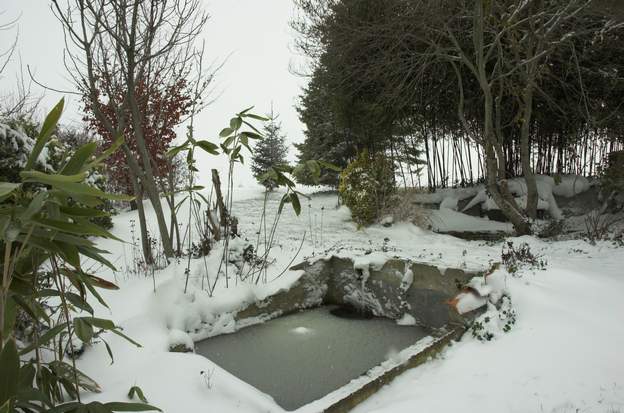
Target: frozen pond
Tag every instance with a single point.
(300, 358)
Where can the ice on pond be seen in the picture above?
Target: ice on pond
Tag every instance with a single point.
(300, 358)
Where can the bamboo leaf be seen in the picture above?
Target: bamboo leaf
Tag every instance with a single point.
(226, 132)
(83, 329)
(79, 159)
(108, 152)
(9, 366)
(257, 117)
(130, 407)
(44, 339)
(139, 393)
(6, 188)
(294, 198)
(209, 147)
(44, 135)
(235, 123)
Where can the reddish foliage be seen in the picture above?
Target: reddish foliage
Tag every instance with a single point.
(162, 108)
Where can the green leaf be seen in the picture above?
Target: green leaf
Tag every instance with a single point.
(10, 314)
(100, 323)
(285, 199)
(87, 190)
(6, 188)
(245, 111)
(79, 159)
(9, 366)
(108, 152)
(65, 407)
(96, 256)
(101, 283)
(226, 132)
(108, 350)
(257, 117)
(69, 253)
(83, 329)
(34, 206)
(235, 123)
(209, 147)
(235, 152)
(171, 153)
(83, 212)
(67, 372)
(78, 302)
(46, 131)
(251, 135)
(32, 308)
(27, 376)
(120, 334)
(137, 390)
(76, 228)
(228, 142)
(130, 407)
(53, 179)
(44, 339)
(85, 281)
(252, 127)
(294, 198)
(27, 393)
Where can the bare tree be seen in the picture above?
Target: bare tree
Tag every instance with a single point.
(126, 41)
(19, 101)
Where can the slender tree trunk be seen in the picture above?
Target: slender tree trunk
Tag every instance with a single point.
(525, 155)
(223, 214)
(145, 244)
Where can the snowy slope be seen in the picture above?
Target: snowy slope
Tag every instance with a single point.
(563, 351)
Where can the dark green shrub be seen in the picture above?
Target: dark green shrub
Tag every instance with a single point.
(366, 185)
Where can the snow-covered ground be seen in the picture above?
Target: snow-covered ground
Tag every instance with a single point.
(563, 354)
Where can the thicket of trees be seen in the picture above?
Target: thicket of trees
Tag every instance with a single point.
(486, 90)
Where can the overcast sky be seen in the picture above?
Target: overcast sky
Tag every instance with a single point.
(253, 33)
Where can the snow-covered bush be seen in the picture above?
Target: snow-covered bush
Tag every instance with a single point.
(402, 208)
(15, 147)
(498, 319)
(517, 258)
(366, 185)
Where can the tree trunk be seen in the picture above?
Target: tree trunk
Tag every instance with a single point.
(148, 182)
(223, 213)
(525, 155)
(145, 244)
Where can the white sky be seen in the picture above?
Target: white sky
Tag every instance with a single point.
(253, 33)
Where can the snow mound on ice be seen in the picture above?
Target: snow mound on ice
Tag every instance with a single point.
(406, 320)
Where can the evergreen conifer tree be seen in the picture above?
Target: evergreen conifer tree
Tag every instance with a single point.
(269, 152)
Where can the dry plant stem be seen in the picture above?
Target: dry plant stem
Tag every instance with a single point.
(61, 288)
(6, 281)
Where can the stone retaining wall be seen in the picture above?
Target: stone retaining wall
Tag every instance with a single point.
(383, 291)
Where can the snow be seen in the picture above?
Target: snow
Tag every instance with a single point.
(177, 337)
(564, 350)
(364, 263)
(406, 320)
(301, 330)
(408, 278)
(547, 186)
(571, 185)
(563, 355)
